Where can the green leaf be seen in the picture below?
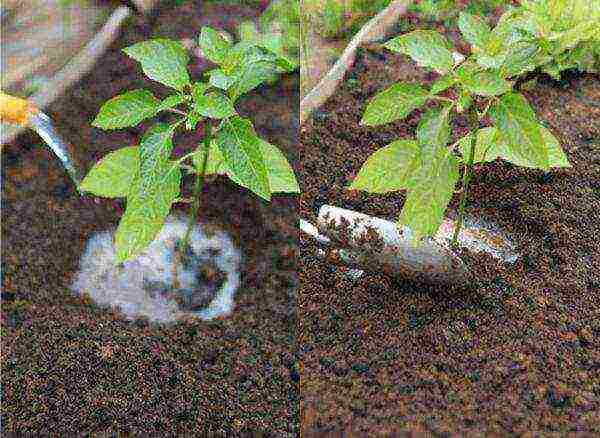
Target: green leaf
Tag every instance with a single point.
(389, 168)
(515, 119)
(483, 83)
(214, 105)
(276, 44)
(214, 47)
(474, 30)
(127, 109)
(507, 39)
(491, 145)
(111, 177)
(249, 66)
(442, 84)
(580, 32)
(394, 103)
(433, 131)
(280, 174)
(155, 150)
(429, 193)
(154, 188)
(162, 60)
(240, 146)
(428, 48)
(522, 57)
(145, 214)
(170, 102)
(556, 156)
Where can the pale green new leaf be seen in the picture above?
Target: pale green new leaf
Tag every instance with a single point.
(506, 39)
(427, 47)
(240, 146)
(394, 103)
(214, 105)
(154, 188)
(111, 177)
(127, 109)
(162, 60)
(516, 121)
(214, 47)
(389, 168)
(475, 30)
(271, 41)
(429, 193)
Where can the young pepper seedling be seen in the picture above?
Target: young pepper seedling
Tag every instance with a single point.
(147, 175)
(483, 83)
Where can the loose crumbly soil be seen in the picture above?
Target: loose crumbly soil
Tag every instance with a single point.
(519, 350)
(70, 367)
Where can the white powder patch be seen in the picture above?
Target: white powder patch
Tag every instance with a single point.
(145, 286)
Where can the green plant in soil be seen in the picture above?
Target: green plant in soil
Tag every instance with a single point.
(538, 36)
(448, 10)
(332, 18)
(147, 175)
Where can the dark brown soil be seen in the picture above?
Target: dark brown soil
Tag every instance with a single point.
(69, 367)
(517, 352)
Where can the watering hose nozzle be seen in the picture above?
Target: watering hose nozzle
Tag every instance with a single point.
(24, 113)
(16, 110)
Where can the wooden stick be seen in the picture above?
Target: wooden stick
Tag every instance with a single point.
(375, 29)
(78, 66)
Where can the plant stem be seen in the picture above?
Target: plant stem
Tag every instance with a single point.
(467, 173)
(198, 187)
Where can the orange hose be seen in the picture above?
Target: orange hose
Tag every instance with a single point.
(15, 110)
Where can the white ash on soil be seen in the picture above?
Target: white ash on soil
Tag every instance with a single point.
(158, 284)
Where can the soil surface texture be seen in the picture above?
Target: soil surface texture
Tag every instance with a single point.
(517, 351)
(70, 367)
